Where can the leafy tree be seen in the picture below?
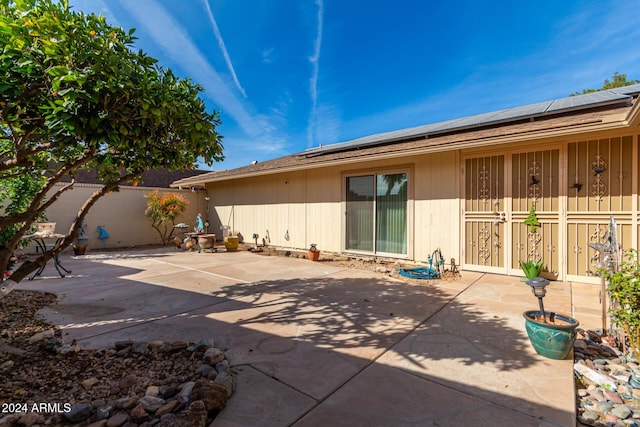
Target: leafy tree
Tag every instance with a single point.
(74, 93)
(162, 208)
(618, 80)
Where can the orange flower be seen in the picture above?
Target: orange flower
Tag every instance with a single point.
(93, 32)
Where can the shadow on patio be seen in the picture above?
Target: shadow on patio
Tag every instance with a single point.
(342, 347)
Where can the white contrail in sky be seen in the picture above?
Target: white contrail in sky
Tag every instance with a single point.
(315, 61)
(223, 48)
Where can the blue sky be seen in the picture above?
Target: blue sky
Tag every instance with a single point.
(287, 75)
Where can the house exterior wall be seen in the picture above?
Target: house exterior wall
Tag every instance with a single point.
(121, 213)
(574, 213)
(295, 209)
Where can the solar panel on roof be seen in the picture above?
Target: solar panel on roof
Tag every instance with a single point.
(628, 90)
(586, 100)
(577, 102)
(524, 111)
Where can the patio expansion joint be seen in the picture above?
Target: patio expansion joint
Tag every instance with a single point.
(156, 319)
(279, 381)
(284, 285)
(375, 359)
(202, 271)
(490, 401)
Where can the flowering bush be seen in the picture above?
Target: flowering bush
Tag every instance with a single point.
(162, 209)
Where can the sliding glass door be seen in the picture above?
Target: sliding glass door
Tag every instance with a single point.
(376, 218)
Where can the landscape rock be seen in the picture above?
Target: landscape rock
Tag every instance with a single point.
(128, 381)
(150, 403)
(138, 414)
(606, 392)
(89, 382)
(104, 412)
(212, 394)
(30, 419)
(227, 381)
(117, 420)
(104, 387)
(213, 356)
(166, 408)
(205, 370)
(40, 336)
(198, 414)
(79, 412)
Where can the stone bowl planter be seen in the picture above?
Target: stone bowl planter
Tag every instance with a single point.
(553, 339)
(206, 241)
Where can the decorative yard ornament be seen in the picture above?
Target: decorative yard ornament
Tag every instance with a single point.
(608, 256)
(532, 219)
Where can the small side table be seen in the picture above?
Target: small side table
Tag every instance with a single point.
(40, 239)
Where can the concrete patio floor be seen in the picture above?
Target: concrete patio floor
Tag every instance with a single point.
(317, 345)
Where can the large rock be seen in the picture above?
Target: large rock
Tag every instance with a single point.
(198, 414)
(595, 376)
(79, 412)
(213, 395)
(213, 356)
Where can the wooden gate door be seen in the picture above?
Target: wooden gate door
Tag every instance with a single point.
(601, 181)
(535, 183)
(499, 193)
(484, 214)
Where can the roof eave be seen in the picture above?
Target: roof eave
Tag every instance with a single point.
(608, 124)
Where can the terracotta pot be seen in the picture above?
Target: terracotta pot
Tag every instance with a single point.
(79, 249)
(313, 255)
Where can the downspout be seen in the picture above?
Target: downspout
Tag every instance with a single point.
(306, 209)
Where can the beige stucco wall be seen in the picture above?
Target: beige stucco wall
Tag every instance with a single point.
(121, 213)
(295, 209)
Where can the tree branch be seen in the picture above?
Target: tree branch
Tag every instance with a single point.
(28, 267)
(37, 207)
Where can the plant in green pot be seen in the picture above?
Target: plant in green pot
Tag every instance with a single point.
(551, 334)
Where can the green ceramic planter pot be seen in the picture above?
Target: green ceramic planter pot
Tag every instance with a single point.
(552, 340)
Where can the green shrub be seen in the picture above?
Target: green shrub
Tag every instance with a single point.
(624, 289)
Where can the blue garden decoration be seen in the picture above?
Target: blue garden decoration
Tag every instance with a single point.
(421, 273)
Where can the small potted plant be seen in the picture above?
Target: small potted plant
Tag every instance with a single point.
(531, 269)
(313, 253)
